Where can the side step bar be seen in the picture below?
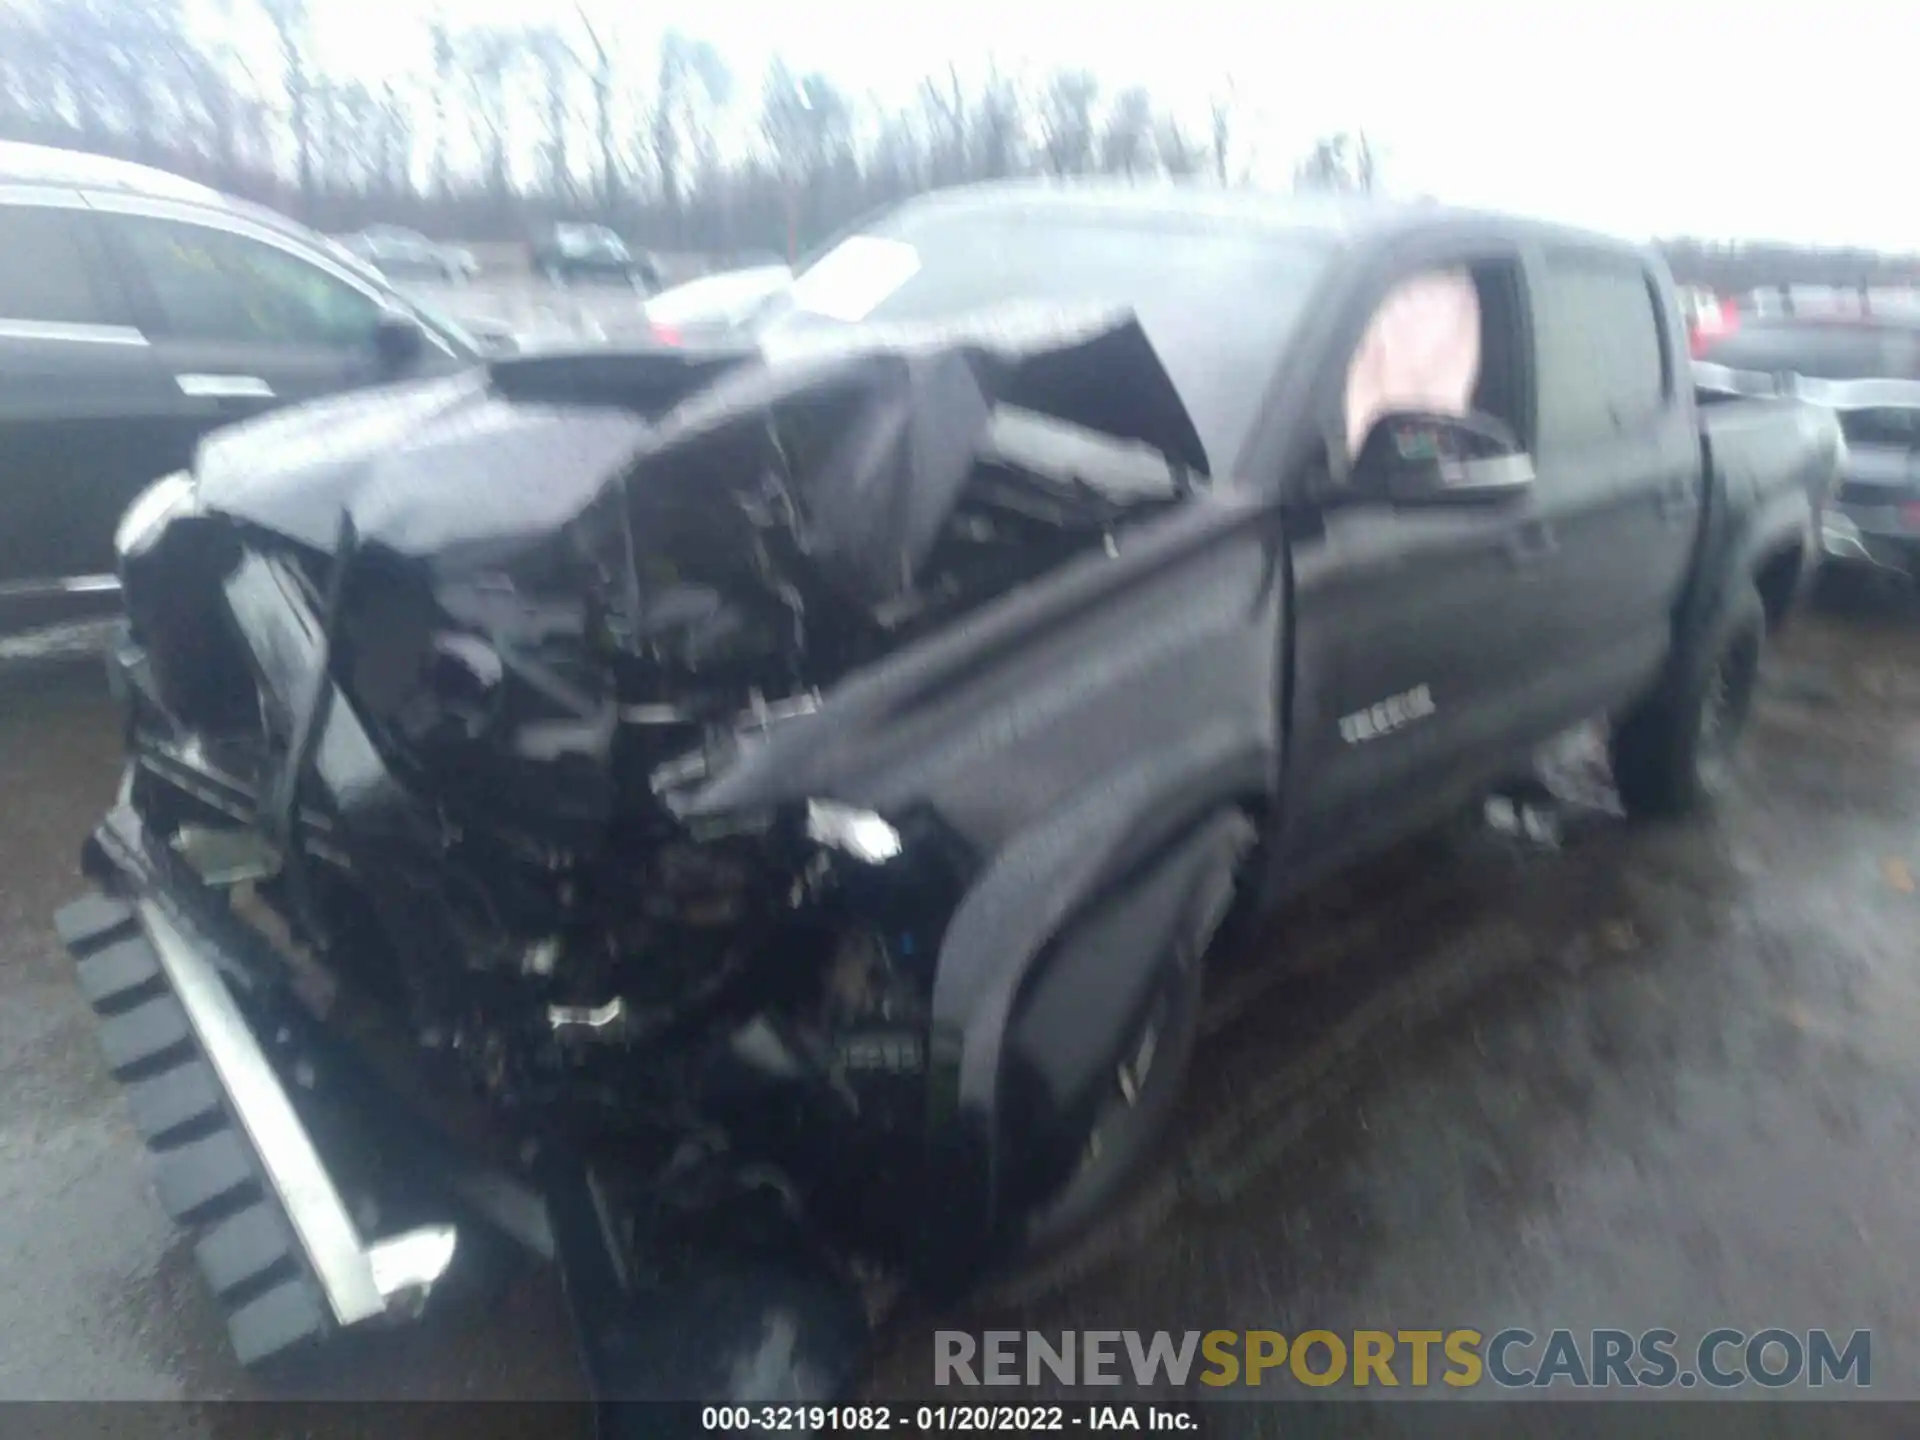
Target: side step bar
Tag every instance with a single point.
(234, 1161)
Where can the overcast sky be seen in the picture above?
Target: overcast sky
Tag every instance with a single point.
(1764, 119)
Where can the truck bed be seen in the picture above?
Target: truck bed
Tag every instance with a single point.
(1761, 444)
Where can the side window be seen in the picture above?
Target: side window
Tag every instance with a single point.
(1421, 351)
(43, 275)
(1603, 362)
(1444, 341)
(209, 284)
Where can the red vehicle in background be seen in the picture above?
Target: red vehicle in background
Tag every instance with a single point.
(1707, 316)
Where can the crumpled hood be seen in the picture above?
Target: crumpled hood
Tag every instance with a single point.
(521, 449)
(450, 446)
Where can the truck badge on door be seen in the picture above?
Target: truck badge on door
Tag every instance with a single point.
(1386, 717)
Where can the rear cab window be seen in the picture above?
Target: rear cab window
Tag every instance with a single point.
(1599, 332)
(46, 278)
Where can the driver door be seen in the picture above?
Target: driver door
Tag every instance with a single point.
(1418, 647)
(239, 324)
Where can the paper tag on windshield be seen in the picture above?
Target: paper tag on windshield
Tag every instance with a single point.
(855, 276)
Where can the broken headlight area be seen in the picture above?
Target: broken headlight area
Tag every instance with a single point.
(551, 934)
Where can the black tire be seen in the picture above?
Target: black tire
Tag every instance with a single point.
(1127, 1128)
(1673, 753)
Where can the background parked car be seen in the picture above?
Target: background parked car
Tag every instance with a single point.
(404, 254)
(713, 305)
(1858, 354)
(571, 252)
(138, 312)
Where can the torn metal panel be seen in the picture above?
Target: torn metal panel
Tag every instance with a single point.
(871, 435)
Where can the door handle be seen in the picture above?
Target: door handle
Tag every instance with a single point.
(224, 387)
(1530, 542)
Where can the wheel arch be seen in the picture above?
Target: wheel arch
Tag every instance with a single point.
(1036, 911)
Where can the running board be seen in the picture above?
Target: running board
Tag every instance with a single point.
(234, 1162)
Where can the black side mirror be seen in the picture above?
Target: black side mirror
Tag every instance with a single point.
(1417, 458)
(398, 341)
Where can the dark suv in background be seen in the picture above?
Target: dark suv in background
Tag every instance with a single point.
(568, 252)
(138, 311)
(402, 254)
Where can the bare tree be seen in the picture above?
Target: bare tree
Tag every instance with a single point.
(692, 79)
(489, 56)
(219, 103)
(943, 102)
(970, 134)
(396, 141)
(602, 72)
(1126, 142)
(441, 38)
(1342, 161)
(1177, 153)
(350, 136)
(289, 21)
(1221, 130)
(897, 162)
(1066, 122)
(557, 65)
(1001, 126)
(807, 125)
(805, 120)
(119, 78)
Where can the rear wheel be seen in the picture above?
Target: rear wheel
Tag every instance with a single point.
(1675, 750)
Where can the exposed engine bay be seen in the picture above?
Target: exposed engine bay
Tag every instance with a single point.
(454, 696)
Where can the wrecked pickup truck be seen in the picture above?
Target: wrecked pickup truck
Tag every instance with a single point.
(750, 823)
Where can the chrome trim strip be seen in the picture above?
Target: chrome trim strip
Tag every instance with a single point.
(224, 387)
(67, 585)
(1868, 394)
(301, 1183)
(51, 194)
(59, 331)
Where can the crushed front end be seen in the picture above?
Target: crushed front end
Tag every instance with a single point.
(446, 895)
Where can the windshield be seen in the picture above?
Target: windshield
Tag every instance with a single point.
(1217, 301)
(589, 237)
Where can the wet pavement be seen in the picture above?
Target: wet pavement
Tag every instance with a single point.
(1617, 1076)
